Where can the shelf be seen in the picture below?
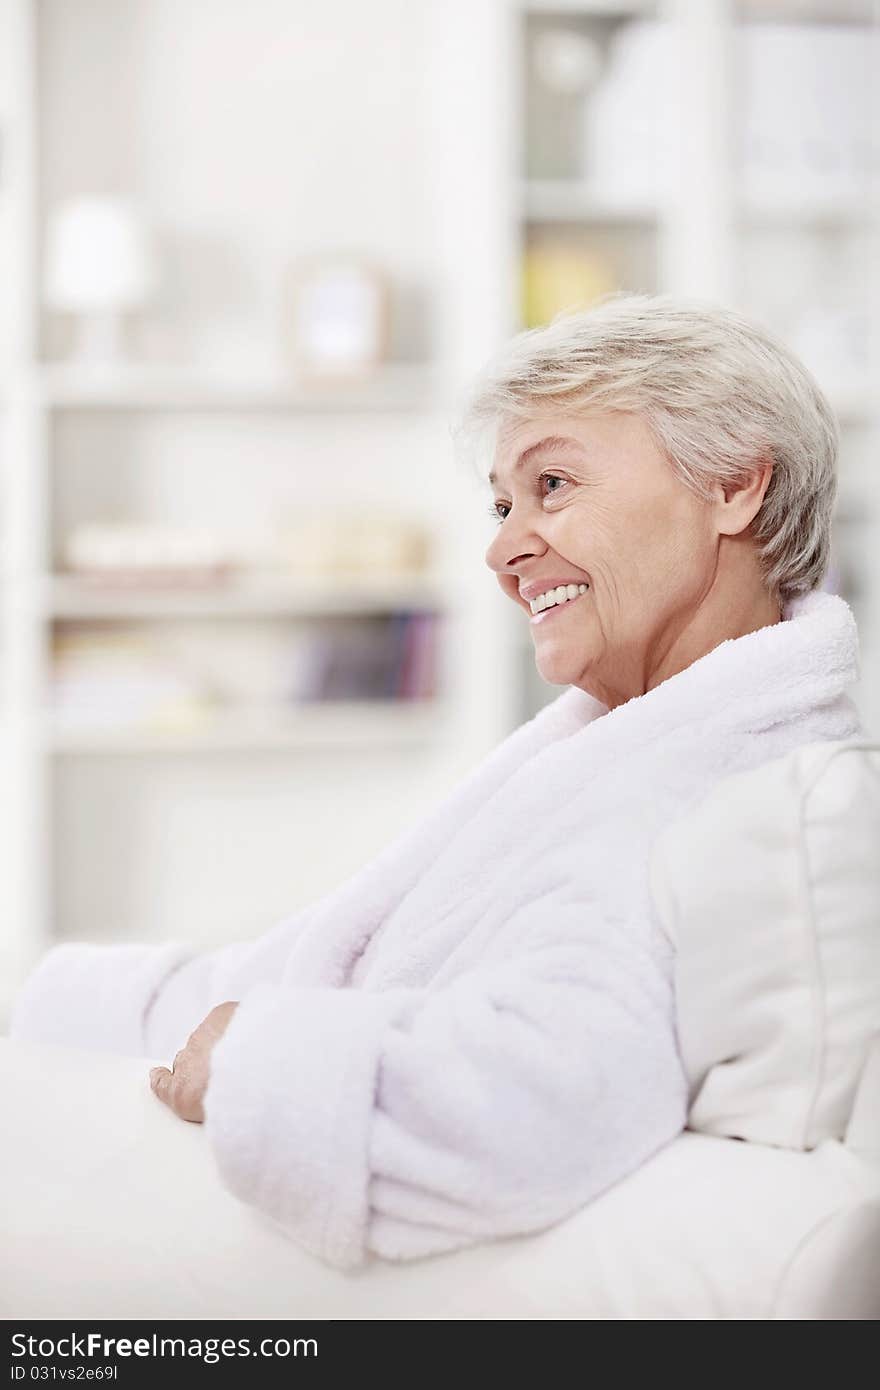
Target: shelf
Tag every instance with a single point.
(65, 597)
(396, 387)
(810, 212)
(807, 11)
(623, 9)
(568, 200)
(562, 200)
(335, 724)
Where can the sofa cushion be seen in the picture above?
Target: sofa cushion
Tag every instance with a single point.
(110, 1207)
(770, 892)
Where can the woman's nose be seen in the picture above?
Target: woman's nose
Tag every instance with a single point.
(512, 546)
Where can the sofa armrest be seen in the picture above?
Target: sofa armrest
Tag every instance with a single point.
(112, 1208)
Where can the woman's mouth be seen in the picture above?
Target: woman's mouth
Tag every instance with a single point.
(554, 600)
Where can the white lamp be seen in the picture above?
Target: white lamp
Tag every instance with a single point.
(99, 262)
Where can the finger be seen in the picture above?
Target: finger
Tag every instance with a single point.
(161, 1084)
(221, 1015)
(181, 1094)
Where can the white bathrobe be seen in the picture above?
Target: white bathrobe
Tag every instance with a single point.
(474, 1035)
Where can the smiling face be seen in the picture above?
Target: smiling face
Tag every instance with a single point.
(592, 500)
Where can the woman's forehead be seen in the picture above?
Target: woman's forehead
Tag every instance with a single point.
(520, 440)
(606, 437)
(580, 429)
(526, 446)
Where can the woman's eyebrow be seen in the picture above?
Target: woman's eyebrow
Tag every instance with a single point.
(554, 443)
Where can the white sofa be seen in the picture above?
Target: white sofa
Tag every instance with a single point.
(768, 1206)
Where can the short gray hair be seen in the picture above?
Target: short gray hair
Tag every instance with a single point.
(719, 393)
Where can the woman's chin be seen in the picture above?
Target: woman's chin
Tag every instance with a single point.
(557, 668)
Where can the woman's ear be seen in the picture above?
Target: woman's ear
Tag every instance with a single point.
(737, 504)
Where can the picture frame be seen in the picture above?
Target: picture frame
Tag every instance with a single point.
(340, 317)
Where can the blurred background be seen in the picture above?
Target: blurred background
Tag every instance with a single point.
(251, 254)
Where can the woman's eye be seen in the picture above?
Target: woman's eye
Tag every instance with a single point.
(549, 478)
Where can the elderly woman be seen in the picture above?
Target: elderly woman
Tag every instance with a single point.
(475, 1035)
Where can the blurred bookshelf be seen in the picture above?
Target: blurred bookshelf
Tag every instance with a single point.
(267, 621)
(156, 668)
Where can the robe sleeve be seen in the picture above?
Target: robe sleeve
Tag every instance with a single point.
(405, 1122)
(141, 1000)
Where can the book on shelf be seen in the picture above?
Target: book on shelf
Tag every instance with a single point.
(112, 680)
(381, 657)
(107, 676)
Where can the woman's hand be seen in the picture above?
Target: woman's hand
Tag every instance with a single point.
(183, 1088)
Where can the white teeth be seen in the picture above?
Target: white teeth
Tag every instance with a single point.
(563, 593)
